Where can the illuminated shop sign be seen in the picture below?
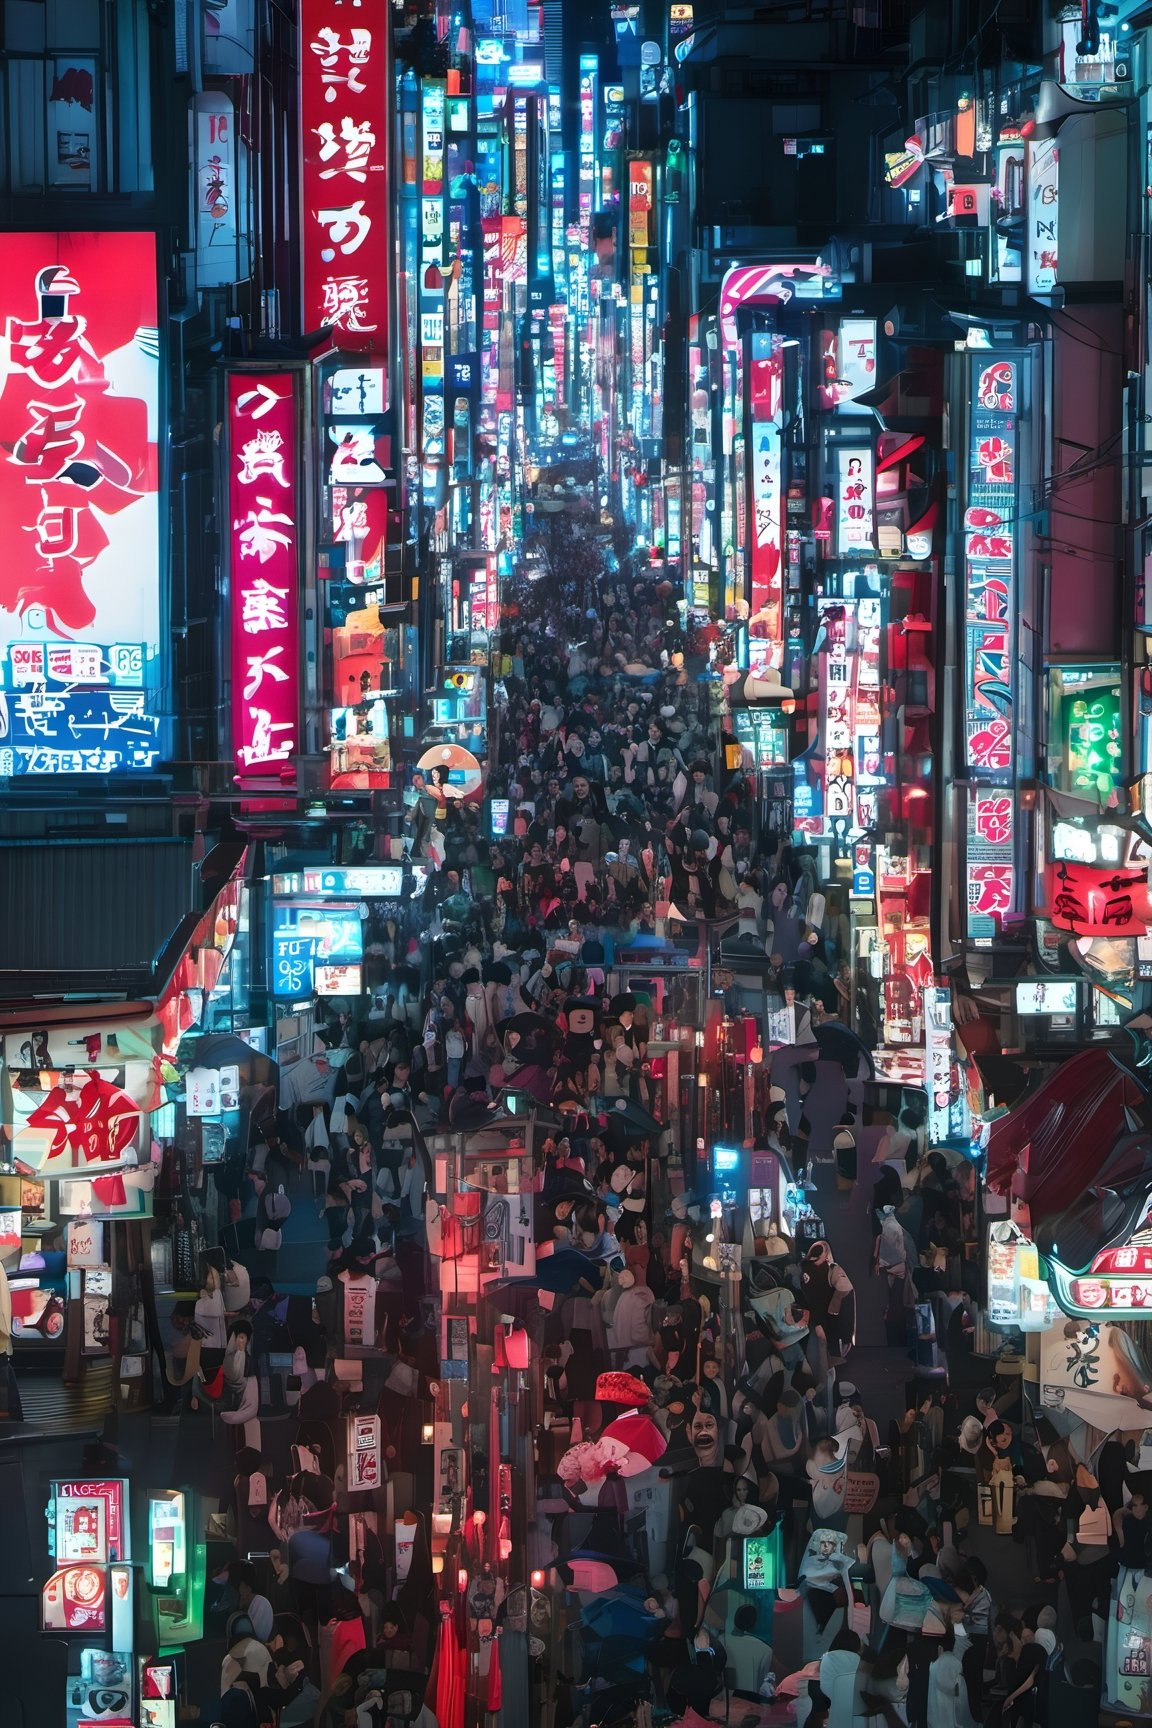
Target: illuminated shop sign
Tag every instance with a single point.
(586, 150)
(1084, 705)
(869, 761)
(1117, 1284)
(167, 1539)
(373, 881)
(305, 938)
(639, 215)
(433, 436)
(216, 261)
(344, 129)
(1098, 902)
(948, 1115)
(855, 501)
(79, 585)
(989, 566)
(359, 459)
(88, 1521)
(1042, 200)
(264, 509)
(766, 498)
(838, 621)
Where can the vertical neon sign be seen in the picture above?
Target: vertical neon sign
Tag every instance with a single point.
(433, 442)
(766, 544)
(344, 132)
(263, 511)
(989, 630)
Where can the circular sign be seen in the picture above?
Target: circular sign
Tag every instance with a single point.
(453, 771)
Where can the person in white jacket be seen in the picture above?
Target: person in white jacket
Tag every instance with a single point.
(947, 1690)
(631, 1330)
(840, 1681)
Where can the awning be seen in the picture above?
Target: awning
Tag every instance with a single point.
(92, 915)
(1068, 1127)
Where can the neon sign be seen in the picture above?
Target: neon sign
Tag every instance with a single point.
(344, 130)
(79, 589)
(766, 548)
(1118, 1282)
(989, 568)
(262, 495)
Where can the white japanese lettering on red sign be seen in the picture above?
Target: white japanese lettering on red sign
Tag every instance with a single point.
(265, 627)
(344, 129)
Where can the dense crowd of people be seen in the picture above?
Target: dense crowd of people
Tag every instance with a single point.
(730, 1527)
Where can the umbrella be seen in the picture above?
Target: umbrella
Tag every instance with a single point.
(620, 1613)
(839, 1044)
(225, 1050)
(558, 1272)
(631, 1114)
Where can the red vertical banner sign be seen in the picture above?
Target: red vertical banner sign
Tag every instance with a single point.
(263, 496)
(345, 79)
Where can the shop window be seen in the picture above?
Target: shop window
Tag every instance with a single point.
(1085, 747)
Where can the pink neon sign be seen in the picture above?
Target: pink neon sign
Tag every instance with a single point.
(262, 498)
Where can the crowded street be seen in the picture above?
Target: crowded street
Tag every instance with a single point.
(576, 826)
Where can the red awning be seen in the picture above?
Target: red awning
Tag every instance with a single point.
(1067, 1127)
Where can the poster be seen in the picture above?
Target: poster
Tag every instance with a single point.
(364, 1456)
(80, 1530)
(359, 1311)
(75, 1599)
(85, 1242)
(109, 1493)
(855, 501)
(1042, 204)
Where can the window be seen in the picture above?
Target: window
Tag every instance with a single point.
(76, 95)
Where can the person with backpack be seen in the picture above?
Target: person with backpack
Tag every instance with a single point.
(273, 1208)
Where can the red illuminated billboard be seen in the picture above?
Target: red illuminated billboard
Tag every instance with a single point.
(263, 510)
(344, 129)
(79, 504)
